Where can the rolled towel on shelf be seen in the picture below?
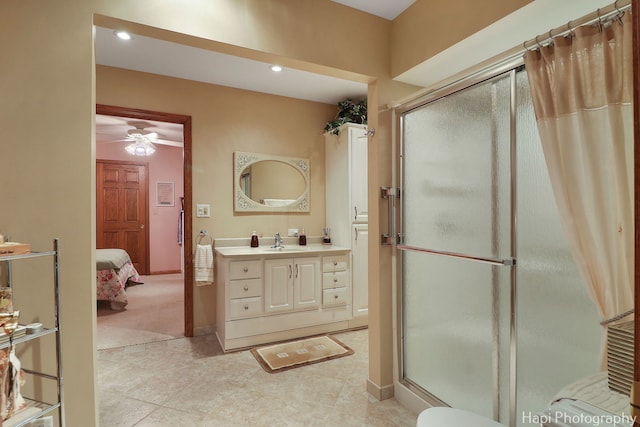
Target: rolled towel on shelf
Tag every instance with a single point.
(203, 263)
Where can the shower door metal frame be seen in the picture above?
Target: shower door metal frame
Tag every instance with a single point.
(508, 67)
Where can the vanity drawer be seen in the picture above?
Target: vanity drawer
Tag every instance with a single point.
(249, 269)
(245, 307)
(245, 288)
(335, 296)
(335, 279)
(334, 263)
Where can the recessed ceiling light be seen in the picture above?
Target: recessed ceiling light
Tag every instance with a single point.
(123, 35)
(276, 68)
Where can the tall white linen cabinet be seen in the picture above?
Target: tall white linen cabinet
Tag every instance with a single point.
(346, 208)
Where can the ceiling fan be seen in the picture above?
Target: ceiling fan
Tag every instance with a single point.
(141, 140)
(139, 131)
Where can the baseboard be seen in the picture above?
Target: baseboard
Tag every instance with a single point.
(359, 322)
(153, 273)
(380, 393)
(410, 400)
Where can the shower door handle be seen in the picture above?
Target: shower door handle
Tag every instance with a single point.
(390, 194)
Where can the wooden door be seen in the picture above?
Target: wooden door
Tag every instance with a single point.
(122, 209)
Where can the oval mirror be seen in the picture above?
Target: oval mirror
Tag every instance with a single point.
(265, 183)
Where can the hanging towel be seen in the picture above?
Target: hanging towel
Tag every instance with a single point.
(203, 261)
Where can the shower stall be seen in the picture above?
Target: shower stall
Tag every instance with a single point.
(493, 315)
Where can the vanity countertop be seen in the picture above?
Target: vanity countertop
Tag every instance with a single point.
(288, 250)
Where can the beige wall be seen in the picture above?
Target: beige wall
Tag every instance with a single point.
(428, 27)
(46, 129)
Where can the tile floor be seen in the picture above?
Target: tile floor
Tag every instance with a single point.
(190, 382)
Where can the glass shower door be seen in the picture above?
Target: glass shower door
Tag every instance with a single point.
(478, 332)
(456, 252)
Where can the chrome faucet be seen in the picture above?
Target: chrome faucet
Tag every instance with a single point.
(278, 242)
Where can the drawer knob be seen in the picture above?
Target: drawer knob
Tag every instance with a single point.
(335, 296)
(335, 262)
(245, 269)
(246, 306)
(246, 288)
(335, 280)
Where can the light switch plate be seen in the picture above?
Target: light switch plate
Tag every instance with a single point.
(203, 211)
(293, 232)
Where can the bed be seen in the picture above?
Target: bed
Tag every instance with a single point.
(114, 271)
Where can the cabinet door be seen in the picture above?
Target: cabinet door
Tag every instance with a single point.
(307, 285)
(278, 285)
(358, 172)
(360, 275)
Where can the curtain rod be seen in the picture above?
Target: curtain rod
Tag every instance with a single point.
(600, 15)
(510, 58)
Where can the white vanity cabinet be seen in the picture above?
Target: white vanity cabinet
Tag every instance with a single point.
(245, 289)
(292, 283)
(335, 280)
(266, 296)
(346, 201)
(360, 274)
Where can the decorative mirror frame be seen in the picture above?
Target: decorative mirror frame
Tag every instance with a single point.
(242, 203)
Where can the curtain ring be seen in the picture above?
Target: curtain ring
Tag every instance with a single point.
(569, 30)
(619, 13)
(537, 42)
(599, 19)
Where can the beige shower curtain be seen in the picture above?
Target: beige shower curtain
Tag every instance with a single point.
(582, 92)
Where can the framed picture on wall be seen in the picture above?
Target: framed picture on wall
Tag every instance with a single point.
(165, 194)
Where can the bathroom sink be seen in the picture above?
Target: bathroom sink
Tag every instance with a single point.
(286, 249)
(309, 250)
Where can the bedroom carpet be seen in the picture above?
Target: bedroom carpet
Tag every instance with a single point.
(155, 313)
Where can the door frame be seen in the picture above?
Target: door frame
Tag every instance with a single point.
(185, 121)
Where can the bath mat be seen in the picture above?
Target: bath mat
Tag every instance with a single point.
(294, 354)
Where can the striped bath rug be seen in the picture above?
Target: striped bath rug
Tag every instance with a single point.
(302, 352)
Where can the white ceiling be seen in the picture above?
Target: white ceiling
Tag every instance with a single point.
(176, 60)
(388, 9)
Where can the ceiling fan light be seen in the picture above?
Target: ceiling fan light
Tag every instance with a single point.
(140, 147)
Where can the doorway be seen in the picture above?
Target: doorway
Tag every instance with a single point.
(185, 203)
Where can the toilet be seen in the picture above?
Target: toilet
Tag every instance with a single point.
(452, 417)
